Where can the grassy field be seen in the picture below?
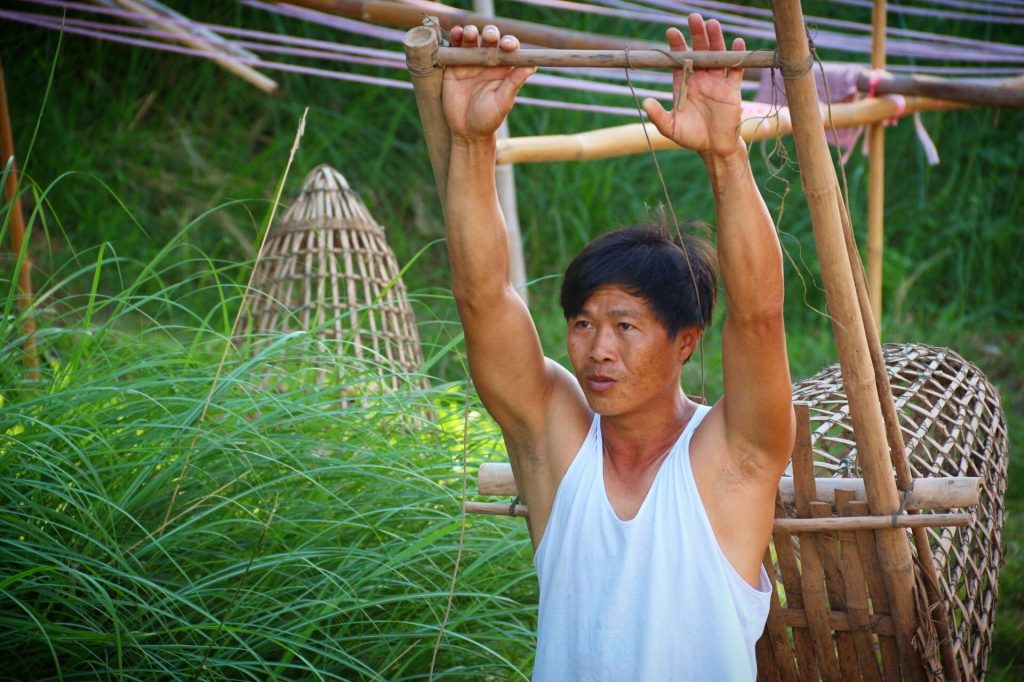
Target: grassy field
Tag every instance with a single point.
(165, 516)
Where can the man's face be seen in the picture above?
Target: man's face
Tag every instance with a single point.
(622, 356)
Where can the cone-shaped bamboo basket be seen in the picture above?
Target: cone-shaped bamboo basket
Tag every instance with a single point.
(327, 268)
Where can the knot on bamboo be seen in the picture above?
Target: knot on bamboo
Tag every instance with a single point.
(791, 71)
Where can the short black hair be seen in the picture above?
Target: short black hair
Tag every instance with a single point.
(677, 278)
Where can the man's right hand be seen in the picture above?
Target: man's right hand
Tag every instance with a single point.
(476, 98)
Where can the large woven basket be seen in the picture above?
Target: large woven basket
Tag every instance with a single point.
(953, 425)
(327, 268)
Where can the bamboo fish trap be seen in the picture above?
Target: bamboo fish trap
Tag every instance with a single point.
(327, 268)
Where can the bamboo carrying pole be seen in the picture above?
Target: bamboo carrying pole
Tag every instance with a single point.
(876, 172)
(630, 138)
(17, 223)
(495, 478)
(1008, 93)
(819, 185)
(186, 37)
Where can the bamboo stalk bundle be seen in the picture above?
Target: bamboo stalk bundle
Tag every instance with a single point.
(327, 268)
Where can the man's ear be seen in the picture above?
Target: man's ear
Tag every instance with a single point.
(688, 340)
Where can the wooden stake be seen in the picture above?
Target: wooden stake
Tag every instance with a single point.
(421, 45)
(819, 185)
(17, 223)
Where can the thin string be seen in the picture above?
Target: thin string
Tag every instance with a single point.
(672, 213)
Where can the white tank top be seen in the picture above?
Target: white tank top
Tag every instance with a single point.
(652, 598)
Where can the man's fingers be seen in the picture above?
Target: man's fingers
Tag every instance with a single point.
(676, 41)
(736, 74)
(509, 43)
(455, 35)
(470, 36)
(658, 116)
(514, 80)
(698, 32)
(716, 39)
(490, 35)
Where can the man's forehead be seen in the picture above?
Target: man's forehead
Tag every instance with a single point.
(614, 299)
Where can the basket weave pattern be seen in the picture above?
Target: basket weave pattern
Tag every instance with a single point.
(953, 425)
(327, 268)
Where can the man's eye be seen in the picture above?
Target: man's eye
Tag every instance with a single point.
(625, 326)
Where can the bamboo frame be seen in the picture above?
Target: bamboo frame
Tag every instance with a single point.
(820, 187)
(17, 223)
(1008, 93)
(876, 172)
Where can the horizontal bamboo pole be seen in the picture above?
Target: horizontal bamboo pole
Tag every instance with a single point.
(401, 14)
(1008, 93)
(786, 525)
(630, 139)
(612, 59)
(495, 478)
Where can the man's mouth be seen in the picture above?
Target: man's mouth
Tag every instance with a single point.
(600, 382)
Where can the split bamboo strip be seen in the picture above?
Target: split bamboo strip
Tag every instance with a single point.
(17, 223)
(775, 637)
(630, 139)
(868, 550)
(406, 15)
(1008, 93)
(946, 492)
(856, 593)
(421, 45)
(838, 621)
(835, 587)
(789, 571)
(812, 573)
(610, 59)
(224, 59)
(876, 172)
(819, 185)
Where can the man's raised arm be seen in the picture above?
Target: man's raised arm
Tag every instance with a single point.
(515, 381)
(757, 391)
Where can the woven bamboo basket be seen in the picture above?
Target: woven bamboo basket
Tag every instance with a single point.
(327, 268)
(953, 425)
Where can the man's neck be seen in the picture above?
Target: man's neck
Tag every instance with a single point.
(634, 441)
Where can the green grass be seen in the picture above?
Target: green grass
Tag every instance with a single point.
(310, 536)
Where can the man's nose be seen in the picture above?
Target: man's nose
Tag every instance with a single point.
(603, 348)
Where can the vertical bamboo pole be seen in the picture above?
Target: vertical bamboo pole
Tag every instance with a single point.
(505, 179)
(421, 45)
(876, 172)
(17, 223)
(819, 185)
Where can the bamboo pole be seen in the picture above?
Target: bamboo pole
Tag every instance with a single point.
(819, 185)
(876, 172)
(1008, 93)
(406, 15)
(421, 45)
(495, 478)
(610, 59)
(186, 37)
(630, 139)
(17, 223)
(832, 523)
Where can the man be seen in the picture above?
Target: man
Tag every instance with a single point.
(649, 514)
